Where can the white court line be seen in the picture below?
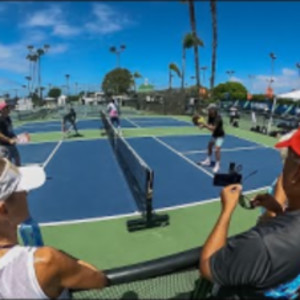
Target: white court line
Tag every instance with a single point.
(183, 157)
(133, 123)
(201, 202)
(72, 222)
(246, 139)
(121, 216)
(225, 150)
(44, 165)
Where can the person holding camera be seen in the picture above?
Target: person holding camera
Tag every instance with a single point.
(215, 125)
(263, 262)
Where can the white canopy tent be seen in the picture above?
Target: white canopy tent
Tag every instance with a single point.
(294, 95)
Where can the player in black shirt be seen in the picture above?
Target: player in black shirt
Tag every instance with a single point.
(263, 262)
(70, 118)
(8, 138)
(215, 125)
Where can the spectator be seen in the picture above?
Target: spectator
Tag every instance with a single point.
(264, 261)
(8, 139)
(233, 116)
(29, 272)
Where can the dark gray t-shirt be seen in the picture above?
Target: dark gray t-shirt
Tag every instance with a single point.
(260, 259)
(218, 123)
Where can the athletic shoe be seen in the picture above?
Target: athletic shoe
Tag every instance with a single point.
(216, 168)
(205, 162)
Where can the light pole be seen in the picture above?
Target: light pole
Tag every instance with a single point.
(229, 73)
(24, 88)
(298, 67)
(118, 52)
(76, 87)
(67, 84)
(251, 78)
(273, 57)
(204, 68)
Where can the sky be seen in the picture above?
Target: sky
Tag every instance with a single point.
(81, 33)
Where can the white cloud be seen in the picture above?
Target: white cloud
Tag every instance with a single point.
(58, 49)
(54, 18)
(45, 18)
(289, 72)
(236, 79)
(65, 30)
(107, 20)
(12, 58)
(284, 82)
(34, 36)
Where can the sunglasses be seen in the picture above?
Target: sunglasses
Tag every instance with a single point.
(244, 200)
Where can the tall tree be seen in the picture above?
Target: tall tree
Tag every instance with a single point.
(213, 10)
(173, 68)
(135, 76)
(117, 81)
(194, 33)
(188, 42)
(54, 92)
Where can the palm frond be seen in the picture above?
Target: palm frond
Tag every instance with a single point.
(173, 67)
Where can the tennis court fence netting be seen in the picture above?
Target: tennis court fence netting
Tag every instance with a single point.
(172, 277)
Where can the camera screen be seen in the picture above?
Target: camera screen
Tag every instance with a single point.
(227, 179)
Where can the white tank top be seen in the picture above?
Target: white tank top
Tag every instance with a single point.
(17, 275)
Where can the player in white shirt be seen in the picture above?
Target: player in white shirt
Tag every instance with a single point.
(113, 113)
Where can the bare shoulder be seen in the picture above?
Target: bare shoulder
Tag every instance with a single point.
(46, 254)
(47, 264)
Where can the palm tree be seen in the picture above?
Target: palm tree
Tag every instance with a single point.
(213, 10)
(28, 78)
(194, 33)
(173, 67)
(189, 41)
(136, 75)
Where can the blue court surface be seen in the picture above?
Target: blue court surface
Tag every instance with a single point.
(51, 126)
(85, 181)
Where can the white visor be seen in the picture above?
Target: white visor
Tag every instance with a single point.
(15, 179)
(32, 177)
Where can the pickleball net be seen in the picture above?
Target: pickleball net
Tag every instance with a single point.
(139, 176)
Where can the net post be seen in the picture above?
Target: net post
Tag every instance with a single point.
(150, 219)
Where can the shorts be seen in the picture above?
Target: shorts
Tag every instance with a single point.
(10, 152)
(218, 142)
(115, 121)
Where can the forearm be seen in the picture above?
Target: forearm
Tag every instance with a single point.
(4, 138)
(209, 127)
(215, 241)
(87, 277)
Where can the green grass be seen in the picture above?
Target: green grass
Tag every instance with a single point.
(108, 244)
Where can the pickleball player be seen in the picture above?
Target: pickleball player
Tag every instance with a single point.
(215, 126)
(8, 138)
(70, 118)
